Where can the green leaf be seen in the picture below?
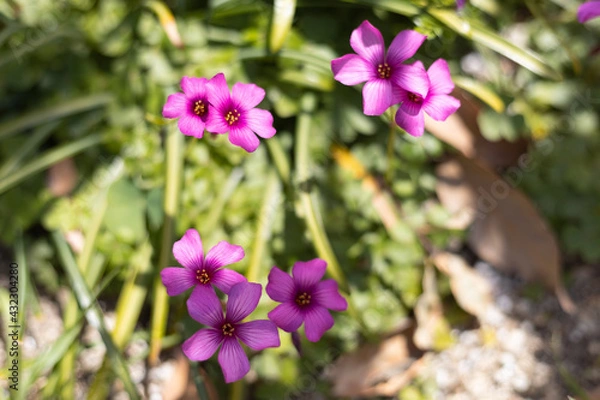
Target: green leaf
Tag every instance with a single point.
(281, 23)
(125, 214)
(481, 91)
(402, 7)
(38, 117)
(478, 33)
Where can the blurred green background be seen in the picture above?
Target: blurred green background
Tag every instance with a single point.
(95, 186)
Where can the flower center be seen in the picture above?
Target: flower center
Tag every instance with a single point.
(202, 276)
(415, 98)
(199, 108)
(232, 116)
(228, 329)
(303, 299)
(384, 70)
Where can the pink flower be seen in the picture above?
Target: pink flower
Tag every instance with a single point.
(460, 3)
(198, 271)
(204, 306)
(380, 71)
(434, 100)
(588, 10)
(235, 113)
(304, 298)
(191, 106)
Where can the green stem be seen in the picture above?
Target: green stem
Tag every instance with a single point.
(390, 148)
(265, 226)
(174, 174)
(307, 201)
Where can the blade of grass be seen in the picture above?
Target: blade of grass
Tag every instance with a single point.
(475, 31)
(50, 113)
(281, 23)
(160, 307)
(128, 310)
(30, 145)
(308, 202)
(272, 199)
(47, 159)
(402, 7)
(216, 210)
(71, 313)
(482, 92)
(93, 315)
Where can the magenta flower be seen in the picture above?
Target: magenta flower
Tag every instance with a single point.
(304, 298)
(460, 3)
(434, 100)
(588, 10)
(199, 271)
(381, 72)
(235, 113)
(204, 306)
(191, 106)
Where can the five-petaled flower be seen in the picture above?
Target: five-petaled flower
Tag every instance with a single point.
(191, 106)
(235, 113)
(204, 306)
(381, 72)
(304, 298)
(199, 271)
(588, 10)
(434, 99)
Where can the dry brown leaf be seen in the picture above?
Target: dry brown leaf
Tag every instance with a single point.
(507, 230)
(472, 291)
(377, 369)
(461, 131)
(433, 330)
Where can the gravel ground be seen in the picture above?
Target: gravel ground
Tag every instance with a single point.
(524, 349)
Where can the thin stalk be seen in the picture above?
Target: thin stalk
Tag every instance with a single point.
(279, 159)
(389, 176)
(265, 226)
(174, 173)
(47, 159)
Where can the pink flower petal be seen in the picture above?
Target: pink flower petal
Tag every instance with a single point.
(441, 106)
(223, 254)
(215, 121)
(317, 321)
(188, 250)
(287, 316)
(404, 46)
(243, 299)
(194, 88)
(308, 273)
(328, 296)
(281, 286)
(413, 124)
(247, 95)
(352, 69)
(177, 280)
(588, 10)
(258, 335)
(225, 278)
(244, 138)
(377, 96)
(261, 122)
(412, 78)
(218, 93)
(439, 78)
(409, 105)
(177, 104)
(191, 125)
(233, 360)
(204, 306)
(367, 42)
(202, 345)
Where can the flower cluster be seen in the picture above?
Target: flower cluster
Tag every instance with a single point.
(304, 297)
(207, 104)
(388, 81)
